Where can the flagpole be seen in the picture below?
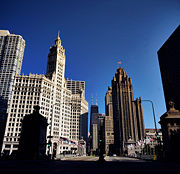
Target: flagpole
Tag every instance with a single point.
(119, 63)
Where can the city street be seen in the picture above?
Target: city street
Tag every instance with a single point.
(108, 159)
(89, 165)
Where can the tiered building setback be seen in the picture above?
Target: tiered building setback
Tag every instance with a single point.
(127, 113)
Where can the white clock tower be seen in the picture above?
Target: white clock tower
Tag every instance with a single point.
(56, 62)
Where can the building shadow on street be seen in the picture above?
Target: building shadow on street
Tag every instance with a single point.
(87, 167)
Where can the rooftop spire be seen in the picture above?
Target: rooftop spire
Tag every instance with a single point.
(96, 98)
(92, 99)
(58, 36)
(58, 40)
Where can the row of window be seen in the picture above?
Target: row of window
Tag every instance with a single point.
(9, 145)
(12, 139)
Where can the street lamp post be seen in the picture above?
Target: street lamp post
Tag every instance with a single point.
(159, 152)
(153, 114)
(154, 122)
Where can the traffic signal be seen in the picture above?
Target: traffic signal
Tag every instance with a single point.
(54, 146)
(49, 143)
(157, 136)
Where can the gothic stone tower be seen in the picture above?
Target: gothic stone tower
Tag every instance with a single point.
(127, 113)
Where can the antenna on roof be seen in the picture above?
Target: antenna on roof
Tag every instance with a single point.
(96, 99)
(92, 99)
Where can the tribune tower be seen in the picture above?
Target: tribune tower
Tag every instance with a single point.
(127, 114)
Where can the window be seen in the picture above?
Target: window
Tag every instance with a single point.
(7, 146)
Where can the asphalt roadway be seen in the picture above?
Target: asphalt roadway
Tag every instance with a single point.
(89, 165)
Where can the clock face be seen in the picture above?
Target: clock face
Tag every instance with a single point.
(61, 61)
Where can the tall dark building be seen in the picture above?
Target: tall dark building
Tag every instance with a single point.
(93, 120)
(83, 127)
(108, 126)
(127, 114)
(169, 62)
(94, 109)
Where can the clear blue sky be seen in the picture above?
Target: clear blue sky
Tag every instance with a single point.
(96, 34)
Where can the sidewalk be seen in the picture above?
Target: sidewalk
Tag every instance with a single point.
(80, 158)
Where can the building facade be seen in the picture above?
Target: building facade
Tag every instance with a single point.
(170, 125)
(97, 124)
(50, 92)
(169, 62)
(94, 109)
(11, 56)
(109, 128)
(79, 121)
(127, 113)
(75, 86)
(148, 147)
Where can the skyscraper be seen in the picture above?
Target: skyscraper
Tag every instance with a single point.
(79, 121)
(169, 62)
(94, 109)
(93, 124)
(109, 127)
(51, 94)
(127, 113)
(11, 56)
(97, 126)
(75, 86)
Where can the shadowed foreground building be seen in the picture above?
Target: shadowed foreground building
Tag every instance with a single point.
(170, 125)
(32, 144)
(169, 62)
(127, 114)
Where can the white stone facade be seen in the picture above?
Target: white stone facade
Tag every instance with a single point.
(75, 86)
(79, 109)
(11, 56)
(51, 94)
